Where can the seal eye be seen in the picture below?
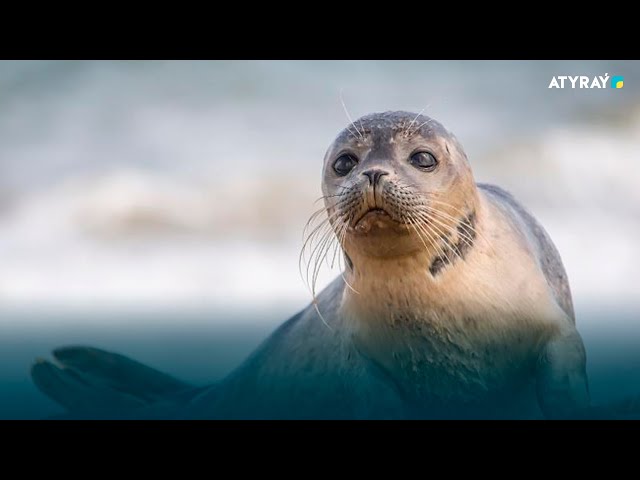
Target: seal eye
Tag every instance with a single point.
(344, 164)
(423, 161)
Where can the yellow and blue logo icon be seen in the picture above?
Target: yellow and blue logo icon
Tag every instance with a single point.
(617, 82)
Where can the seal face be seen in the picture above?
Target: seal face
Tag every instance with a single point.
(395, 183)
(453, 303)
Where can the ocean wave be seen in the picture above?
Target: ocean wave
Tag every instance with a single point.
(160, 183)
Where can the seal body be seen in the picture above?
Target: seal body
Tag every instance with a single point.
(454, 322)
(453, 303)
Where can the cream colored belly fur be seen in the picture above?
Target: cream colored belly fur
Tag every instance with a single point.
(472, 329)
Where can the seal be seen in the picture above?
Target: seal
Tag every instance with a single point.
(453, 303)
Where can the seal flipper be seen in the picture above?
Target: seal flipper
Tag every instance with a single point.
(119, 372)
(77, 393)
(94, 381)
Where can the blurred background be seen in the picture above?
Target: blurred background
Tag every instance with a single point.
(156, 208)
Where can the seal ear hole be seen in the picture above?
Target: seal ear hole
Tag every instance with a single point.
(447, 147)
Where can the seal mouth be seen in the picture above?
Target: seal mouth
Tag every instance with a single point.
(372, 214)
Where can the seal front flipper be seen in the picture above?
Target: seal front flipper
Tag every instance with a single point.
(94, 381)
(563, 390)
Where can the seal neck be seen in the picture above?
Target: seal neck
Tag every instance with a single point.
(422, 276)
(445, 248)
(380, 283)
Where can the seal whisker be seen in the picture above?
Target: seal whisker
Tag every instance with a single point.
(423, 211)
(336, 249)
(445, 239)
(328, 239)
(411, 222)
(429, 198)
(469, 229)
(320, 252)
(344, 106)
(468, 240)
(341, 237)
(334, 244)
(428, 228)
(346, 282)
(317, 232)
(406, 130)
(352, 134)
(432, 240)
(472, 232)
(324, 246)
(434, 199)
(325, 197)
(311, 220)
(315, 276)
(441, 256)
(420, 126)
(315, 306)
(329, 218)
(308, 262)
(315, 215)
(316, 252)
(312, 288)
(448, 229)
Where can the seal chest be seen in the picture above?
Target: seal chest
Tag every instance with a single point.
(444, 339)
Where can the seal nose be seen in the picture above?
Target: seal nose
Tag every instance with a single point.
(374, 175)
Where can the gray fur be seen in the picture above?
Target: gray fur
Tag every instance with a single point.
(350, 387)
(550, 261)
(381, 126)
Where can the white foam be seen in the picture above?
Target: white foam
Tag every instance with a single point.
(178, 186)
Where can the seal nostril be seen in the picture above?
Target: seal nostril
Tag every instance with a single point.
(374, 175)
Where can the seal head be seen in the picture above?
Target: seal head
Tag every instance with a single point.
(395, 183)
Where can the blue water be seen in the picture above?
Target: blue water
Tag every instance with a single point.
(201, 353)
